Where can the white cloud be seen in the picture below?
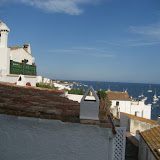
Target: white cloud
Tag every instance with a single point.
(61, 51)
(143, 44)
(150, 35)
(145, 36)
(103, 55)
(85, 51)
(152, 31)
(71, 7)
(2, 2)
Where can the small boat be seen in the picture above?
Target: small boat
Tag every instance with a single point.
(108, 88)
(140, 96)
(149, 90)
(145, 98)
(155, 99)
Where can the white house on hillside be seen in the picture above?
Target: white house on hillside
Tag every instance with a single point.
(121, 102)
(15, 61)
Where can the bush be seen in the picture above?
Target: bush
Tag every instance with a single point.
(45, 86)
(77, 91)
(102, 94)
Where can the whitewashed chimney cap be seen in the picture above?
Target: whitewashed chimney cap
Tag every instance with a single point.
(3, 26)
(93, 92)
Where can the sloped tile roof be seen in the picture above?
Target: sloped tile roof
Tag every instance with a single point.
(141, 119)
(152, 138)
(112, 95)
(37, 102)
(43, 103)
(14, 48)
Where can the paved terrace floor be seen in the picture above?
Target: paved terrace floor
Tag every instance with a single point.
(37, 102)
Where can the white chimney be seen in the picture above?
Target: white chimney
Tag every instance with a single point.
(89, 109)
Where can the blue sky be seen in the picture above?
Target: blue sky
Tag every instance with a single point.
(101, 40)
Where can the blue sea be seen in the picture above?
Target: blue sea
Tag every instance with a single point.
(134, 90)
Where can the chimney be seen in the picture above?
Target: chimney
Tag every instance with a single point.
(89, 108)
(27, 48)
(4, 30)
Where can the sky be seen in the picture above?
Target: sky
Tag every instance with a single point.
(97, 40)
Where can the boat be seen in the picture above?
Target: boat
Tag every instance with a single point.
(155, 99)
(150, 90)
(140, 96)
(145, 98)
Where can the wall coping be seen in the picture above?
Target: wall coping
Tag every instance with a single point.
(17, 75)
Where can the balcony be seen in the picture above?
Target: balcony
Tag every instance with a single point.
(22, 68)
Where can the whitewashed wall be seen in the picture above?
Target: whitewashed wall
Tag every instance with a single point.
(14, 78)
(4, 62)
(134, 125)
(20, 54)
(124, 106)
(144, 110)
(39, 79)
(38, 139)
(132, 107)
(144, 151)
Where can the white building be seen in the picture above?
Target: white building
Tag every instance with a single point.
(20, 53)
(121, 102)
(12, 58)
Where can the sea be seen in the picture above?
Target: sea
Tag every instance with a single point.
(133, 89)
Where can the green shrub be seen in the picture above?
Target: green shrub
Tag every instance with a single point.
(45, 86)
(101, 94)
(77, 91)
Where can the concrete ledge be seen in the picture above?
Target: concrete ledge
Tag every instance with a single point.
(134, 141)
(17, 75)
(87, 121)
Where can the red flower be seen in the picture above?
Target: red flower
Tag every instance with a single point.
(28, 84)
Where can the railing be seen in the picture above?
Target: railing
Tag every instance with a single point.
(22, 68)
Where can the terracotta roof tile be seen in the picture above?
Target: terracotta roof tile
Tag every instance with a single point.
(141, 119)
(37, 102)
(14, 48)
(41, 103)
(152, 138)
(112, 95)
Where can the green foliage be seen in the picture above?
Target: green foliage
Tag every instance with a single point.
(45, 86)
(105, 104)
(102, 94)
(77, 91)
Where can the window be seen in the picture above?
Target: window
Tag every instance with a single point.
(117, 103)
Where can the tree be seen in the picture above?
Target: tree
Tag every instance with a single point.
(105, 104)
(102, 94)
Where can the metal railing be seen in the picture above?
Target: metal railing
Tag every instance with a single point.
(22, 68)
